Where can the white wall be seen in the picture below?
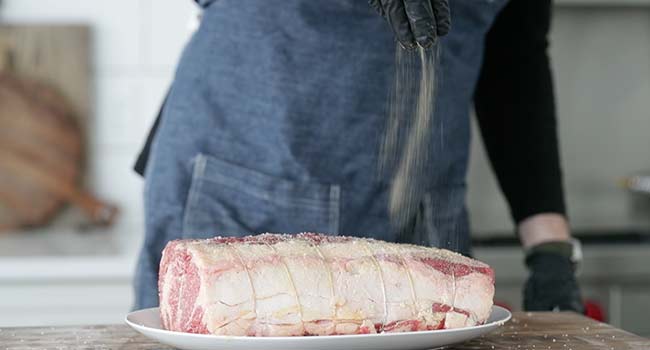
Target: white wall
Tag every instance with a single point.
(136, 46)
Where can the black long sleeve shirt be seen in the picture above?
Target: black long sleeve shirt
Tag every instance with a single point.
(515, 108)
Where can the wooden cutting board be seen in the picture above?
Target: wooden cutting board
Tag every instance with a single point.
(43, 110)
(526, 331)
(59, 55)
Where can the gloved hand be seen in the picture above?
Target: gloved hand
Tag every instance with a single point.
(551, 284)
(415, 21)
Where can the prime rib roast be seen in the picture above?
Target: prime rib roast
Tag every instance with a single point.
(312, 284)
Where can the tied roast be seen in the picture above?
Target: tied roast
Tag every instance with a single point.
(311, 284)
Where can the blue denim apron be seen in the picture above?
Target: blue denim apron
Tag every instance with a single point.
(274, 123)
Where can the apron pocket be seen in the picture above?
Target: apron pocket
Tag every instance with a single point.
(229, 200)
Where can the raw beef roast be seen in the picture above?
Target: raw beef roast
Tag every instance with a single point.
(310, 284)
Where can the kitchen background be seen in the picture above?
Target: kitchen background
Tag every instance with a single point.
(63, 274)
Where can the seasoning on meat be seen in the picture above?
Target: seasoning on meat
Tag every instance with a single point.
(312, 284)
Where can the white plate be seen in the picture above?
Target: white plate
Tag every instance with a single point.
(147, 322)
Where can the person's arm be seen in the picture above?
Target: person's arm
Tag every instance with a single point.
(515, 108)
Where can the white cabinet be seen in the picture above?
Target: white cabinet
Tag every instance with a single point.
(59, 291)
(61, 303)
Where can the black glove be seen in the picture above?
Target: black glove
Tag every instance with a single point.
(552, 284)
(415, 21)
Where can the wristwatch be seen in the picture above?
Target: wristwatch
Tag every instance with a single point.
(576, 251)
(571, 249)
